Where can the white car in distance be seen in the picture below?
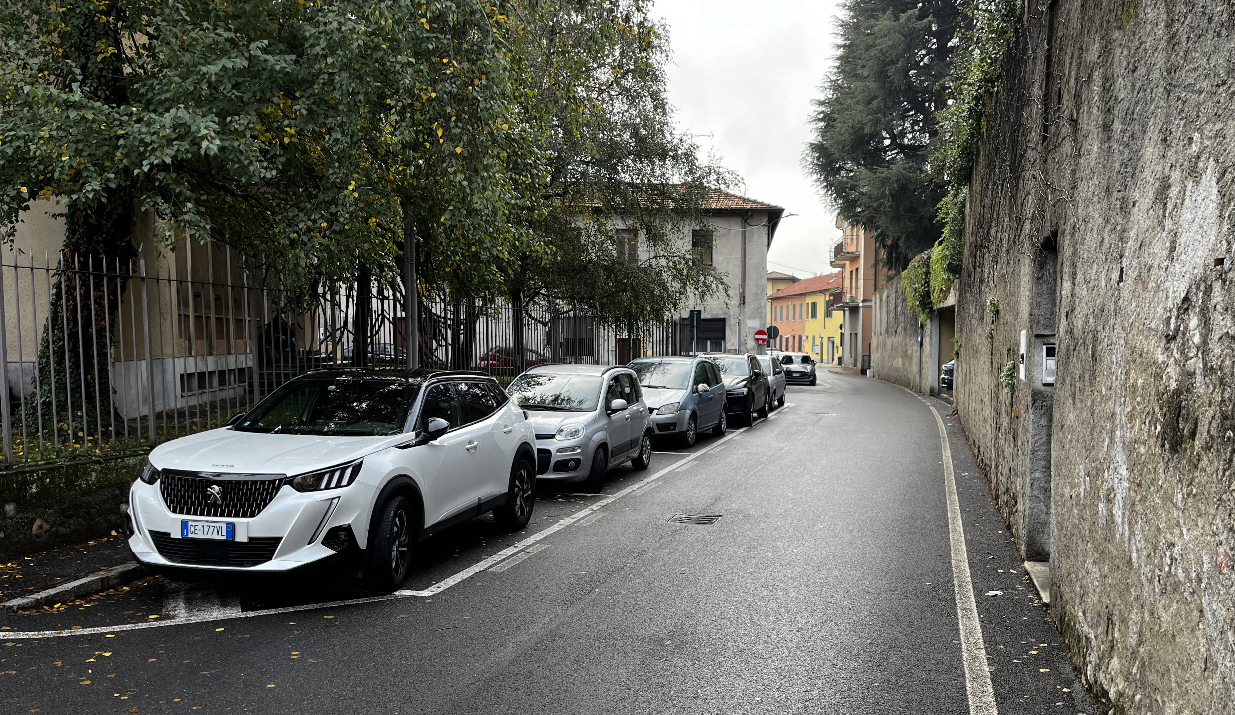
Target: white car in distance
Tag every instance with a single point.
(348, 465)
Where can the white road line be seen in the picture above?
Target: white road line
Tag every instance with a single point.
(525, 553)
(684, 467)
(403, 593)
(590, 520)
(973, 650)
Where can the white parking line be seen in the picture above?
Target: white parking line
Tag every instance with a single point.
(536, 548)
(436, 588)
(973, 649)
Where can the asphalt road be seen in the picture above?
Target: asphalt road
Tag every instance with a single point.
(826, 585)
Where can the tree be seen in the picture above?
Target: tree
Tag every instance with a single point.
(597, 102)
(875, 125)
(313, 136)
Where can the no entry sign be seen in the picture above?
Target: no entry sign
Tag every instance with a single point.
(761, 336)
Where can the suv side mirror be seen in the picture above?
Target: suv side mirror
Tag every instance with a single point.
(236, 418)
(702, 388)
(618, 405)
(434, 429)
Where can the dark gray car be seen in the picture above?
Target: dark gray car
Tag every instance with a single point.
(747, 391)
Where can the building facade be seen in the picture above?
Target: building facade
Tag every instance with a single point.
(858, 258)
(805, 314)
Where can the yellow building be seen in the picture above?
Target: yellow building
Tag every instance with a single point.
(803, 312)
(777, 281)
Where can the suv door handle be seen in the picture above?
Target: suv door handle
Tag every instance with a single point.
(471, 446)
(507, 429)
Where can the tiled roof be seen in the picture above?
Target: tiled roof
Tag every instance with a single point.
(817, 284)
(719, 200)
(778, 276)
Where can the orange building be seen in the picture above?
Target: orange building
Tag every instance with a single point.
(857, 255)
(803, 312)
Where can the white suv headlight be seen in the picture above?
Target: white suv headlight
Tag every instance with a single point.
(333, 478)
(566, 432)
(669, 408)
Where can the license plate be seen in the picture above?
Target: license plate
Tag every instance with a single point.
(222, 531)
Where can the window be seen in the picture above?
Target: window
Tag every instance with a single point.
(613, 393)
(701, 246)
(628, 245)
(713, 374)
(701, 375)
(814, 310)
(475, 401)
(439, 402)
(630, 388)
(335, 406)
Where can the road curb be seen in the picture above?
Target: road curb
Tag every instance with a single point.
(94, 583)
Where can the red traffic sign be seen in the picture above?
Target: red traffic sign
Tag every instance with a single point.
(761, 336)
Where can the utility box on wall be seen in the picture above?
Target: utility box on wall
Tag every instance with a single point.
(1048, 364)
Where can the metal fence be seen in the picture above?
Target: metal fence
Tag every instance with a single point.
(106, 358)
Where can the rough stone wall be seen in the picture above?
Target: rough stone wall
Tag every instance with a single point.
(1108, 155)
(895, 355)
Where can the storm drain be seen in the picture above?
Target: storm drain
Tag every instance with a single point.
(694, 518)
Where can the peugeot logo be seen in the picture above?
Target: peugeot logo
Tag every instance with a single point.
(214, 494)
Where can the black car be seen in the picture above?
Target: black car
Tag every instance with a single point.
(747, 391)
(799, 368)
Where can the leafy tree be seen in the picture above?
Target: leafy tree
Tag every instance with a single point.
(614, 163)
(314, 136)
(875, 126)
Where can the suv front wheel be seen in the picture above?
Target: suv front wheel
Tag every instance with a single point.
(520, 498)
(391, 551)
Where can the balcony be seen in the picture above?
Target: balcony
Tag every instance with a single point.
(843, 251)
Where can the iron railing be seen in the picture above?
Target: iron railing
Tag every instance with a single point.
(106, 358)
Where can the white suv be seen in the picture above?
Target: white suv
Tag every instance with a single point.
(353, 464)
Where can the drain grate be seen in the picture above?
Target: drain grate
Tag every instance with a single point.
(694, 518)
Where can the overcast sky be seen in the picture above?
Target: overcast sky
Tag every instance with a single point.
(746, 72)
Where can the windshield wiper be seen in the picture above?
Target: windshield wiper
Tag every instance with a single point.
(550, 408)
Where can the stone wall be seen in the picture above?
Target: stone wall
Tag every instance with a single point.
(1100, 219)
(895, 353)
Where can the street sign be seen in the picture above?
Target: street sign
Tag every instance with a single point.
(773, 332)
(761, 336)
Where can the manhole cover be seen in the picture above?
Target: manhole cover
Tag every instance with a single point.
(694, 518)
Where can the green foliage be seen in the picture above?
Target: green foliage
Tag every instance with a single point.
(307, 134)
(949, 252)
(972, 81)
(915, 279)
(875, 125)
(992, 307)
(957, 343)
(1007, 376)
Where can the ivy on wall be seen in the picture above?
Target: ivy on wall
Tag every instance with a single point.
(971, 83)
(916, 280)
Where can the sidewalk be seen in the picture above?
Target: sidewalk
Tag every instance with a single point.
(24, 575)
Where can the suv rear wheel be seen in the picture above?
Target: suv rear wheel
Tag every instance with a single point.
(692, 431)
(643, 460)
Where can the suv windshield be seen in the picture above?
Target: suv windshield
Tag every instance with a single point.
(556, 391)
(735, 365)
(664, 375)
(799, 358)
(345, 405)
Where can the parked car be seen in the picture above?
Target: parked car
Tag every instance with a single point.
(504, 356)
(799, 368)
(746, 385)
(776, 378)
(947, 376)
(587, 419)
(347, 465)
(684, 395)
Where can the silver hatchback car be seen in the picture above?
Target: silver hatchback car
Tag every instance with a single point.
(587, 418)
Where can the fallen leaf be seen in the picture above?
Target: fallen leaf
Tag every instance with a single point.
(84, 682)
(217, 630)
(108, 653)
(270, 686)
(327, 616)
(152, 660)
(1044, 670)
